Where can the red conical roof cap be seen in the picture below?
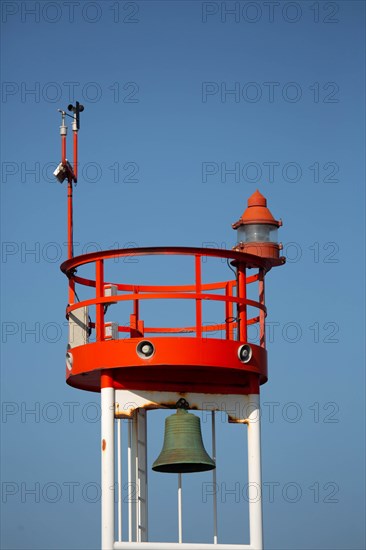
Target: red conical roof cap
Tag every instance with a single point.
(256, 212)
(257, 199)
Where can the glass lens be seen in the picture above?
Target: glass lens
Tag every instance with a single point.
(257, 233)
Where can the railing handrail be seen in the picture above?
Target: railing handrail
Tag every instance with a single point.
(252, 260)
(198, 291)
(164, 296)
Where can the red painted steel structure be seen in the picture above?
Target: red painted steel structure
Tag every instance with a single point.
(197, 363)
(187, 360)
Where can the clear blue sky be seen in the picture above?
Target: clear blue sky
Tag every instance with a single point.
(158, 136)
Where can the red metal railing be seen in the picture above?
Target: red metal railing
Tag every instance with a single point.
(234, 292)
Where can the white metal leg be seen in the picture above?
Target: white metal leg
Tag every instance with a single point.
(135, 470)
(137, 477)
(119, 473)
(214, 477)
(180, 526)
(142, 535)
(254, 474)
(132, 483)
(107, 424)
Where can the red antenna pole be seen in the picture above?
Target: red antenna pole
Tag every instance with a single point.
(70, 242)
(63, 171)
(75, 128)
(72, 177)
(70, 251)
(66, 171)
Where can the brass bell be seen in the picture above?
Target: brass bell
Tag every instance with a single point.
(183, 450)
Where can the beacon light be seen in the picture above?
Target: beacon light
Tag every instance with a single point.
(257, 229)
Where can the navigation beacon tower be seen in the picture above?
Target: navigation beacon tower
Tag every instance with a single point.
(181, 368)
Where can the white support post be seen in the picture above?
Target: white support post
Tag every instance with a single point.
(137, 477)
(141, 424)
(214, 477)
(254, 473)
(119, 474)
(135, 470)
(132, 482)
(180, 525)
(107, 474)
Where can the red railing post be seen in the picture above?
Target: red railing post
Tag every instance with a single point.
(242, 307)
(99, 291)
(229, 317)
(136, 325)
(262, 315)
(136, 305)
(198, 300)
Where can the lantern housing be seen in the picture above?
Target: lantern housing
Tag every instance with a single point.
(257, 229)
